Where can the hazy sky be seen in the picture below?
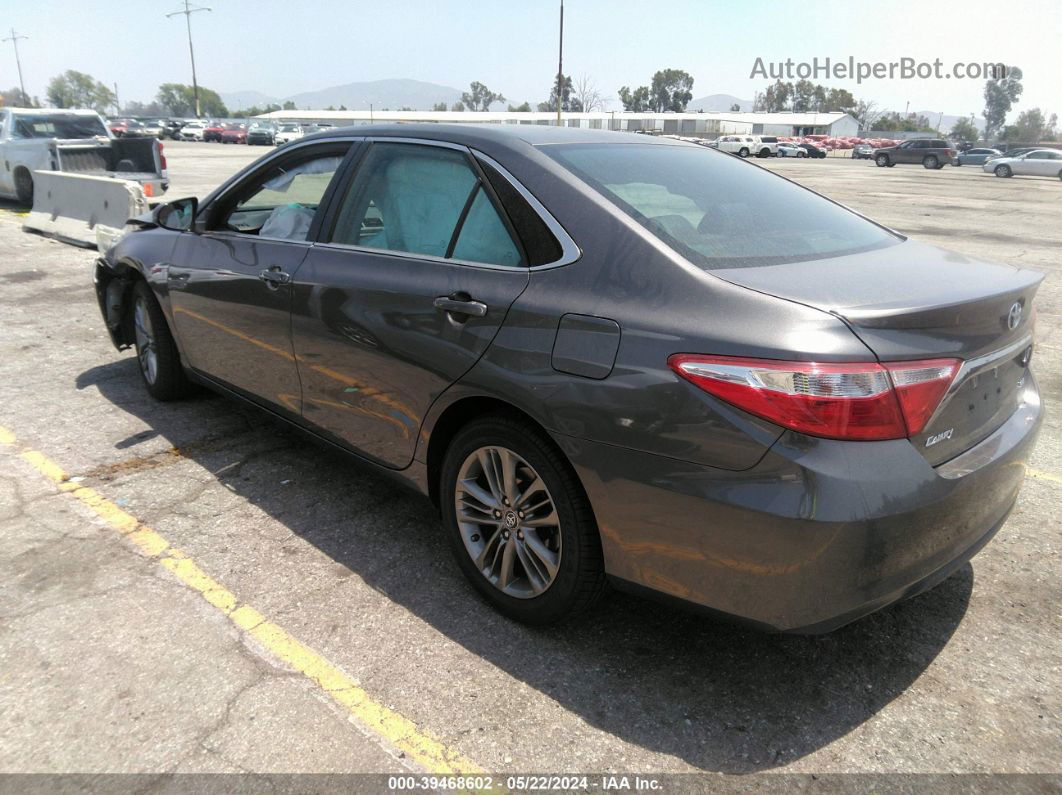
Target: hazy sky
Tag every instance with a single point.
(282, 47)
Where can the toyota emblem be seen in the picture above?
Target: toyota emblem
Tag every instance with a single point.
(1014, 315)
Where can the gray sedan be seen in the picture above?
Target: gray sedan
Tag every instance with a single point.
(976, 157)
(1037, 163)
(605, 358)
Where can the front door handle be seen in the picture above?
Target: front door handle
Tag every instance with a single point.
(461, 304)
(274, 277)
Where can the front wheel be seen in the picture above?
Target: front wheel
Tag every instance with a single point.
(519, 523)
(156, 351)
(882, 161)
(1003, 171)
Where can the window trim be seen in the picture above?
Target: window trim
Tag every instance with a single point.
(570, 252)
(218, 199)
(223, 202)
(331, 217)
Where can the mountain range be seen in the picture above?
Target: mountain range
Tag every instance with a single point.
(381, 94)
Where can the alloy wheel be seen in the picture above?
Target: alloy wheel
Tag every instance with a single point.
(145, 341)
(508, 521)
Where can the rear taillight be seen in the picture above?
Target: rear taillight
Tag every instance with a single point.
(162, 156)
(864, 400)
(920, 386)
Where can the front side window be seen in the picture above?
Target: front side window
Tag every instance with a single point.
(716, 210)
(423, 200)
(282, 204)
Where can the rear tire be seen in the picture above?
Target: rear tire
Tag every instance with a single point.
(743, 152)
(930, 162)
(764, 152)
(156, 351)
(1003, 171)
(542, 572)
(24, 187)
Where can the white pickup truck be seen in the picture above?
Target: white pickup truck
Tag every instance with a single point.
(47, 139)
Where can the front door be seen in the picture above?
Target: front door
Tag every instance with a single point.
(230, 285)
(402, 297)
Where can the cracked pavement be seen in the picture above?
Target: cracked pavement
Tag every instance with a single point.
(109, 664)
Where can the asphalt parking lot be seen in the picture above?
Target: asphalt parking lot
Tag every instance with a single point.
(193, 588)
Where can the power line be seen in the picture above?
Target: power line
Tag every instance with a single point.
(13, 38)
(189, 9)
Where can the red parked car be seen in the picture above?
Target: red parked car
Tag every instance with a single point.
(125, 128)
(213, 131)
(234, 134)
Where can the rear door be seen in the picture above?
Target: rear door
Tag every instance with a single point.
(230, 284)
(402, 295)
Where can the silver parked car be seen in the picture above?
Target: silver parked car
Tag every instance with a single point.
(976, 157)
(1037, 163)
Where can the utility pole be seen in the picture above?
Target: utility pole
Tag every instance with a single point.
(117, 104)
(13, 38)
(560, 65)
(189, 9)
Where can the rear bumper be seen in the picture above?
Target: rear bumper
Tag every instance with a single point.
(817, 534)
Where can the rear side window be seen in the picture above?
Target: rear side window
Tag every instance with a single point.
(716, 210)
(539, 243)
(424, 200)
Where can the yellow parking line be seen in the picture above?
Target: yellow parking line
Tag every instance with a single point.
(402, 733)
(1040, 475)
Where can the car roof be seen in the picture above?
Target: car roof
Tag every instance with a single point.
(504, 135)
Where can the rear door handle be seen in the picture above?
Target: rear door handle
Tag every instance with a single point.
(460, 304)
(274, 277)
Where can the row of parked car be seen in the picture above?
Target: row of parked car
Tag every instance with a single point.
(255, 133)
(759, 146)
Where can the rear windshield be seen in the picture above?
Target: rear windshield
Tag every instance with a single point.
(57, 125)
(717, 210)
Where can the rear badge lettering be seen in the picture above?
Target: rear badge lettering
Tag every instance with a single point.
(939, 437)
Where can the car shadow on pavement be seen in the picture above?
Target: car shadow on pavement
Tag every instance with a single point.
(718, 696)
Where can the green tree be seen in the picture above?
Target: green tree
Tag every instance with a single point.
(1000, 95)
(480, 97)
(637, 100)
(289, 105)
(457, 107)
(179, 100)
(1029, 128)
(775, 98)
(803, 96)
(439, 107)
(14, 98)
(894, 122)
(671, 89)
(964, 129)
(735, 107)
(569, 102)
(74, 89)
(839, 100)
(522, 108)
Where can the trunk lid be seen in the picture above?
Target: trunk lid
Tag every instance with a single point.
(913, 301)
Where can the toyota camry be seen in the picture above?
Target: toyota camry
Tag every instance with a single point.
(606, 358)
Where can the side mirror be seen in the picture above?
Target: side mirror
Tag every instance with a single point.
(178, 215)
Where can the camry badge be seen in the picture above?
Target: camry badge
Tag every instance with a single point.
(1014, 315)
(939, 437)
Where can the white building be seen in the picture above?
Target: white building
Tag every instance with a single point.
(700, 125)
